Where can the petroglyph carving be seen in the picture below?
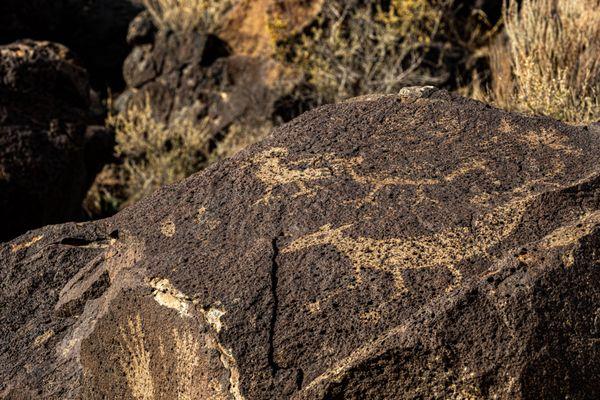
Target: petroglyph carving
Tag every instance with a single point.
(135, 360)
(390, 255)
(306, 173)
(186, 351)
(569, 234)
(167, 228)
(395, 255)
(189, 360)
(273, 173)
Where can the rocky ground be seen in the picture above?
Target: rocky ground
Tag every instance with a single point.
(418, 245)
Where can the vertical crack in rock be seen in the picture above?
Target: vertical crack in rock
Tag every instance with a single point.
(274, 271)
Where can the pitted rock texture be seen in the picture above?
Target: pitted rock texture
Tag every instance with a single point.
(411, 246)
(48, 156)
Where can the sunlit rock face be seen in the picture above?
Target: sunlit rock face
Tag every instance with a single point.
(418, 245)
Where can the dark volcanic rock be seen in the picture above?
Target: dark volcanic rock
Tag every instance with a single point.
(94, 29)
(194, 75)
(412, 246)
(44, 113)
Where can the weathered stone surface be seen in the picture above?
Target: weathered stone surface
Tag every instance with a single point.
(253, 27)
(45, 158)
(194, 75)
(411, 246)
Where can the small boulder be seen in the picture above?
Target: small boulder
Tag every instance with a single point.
(195, 75)
(94, 29)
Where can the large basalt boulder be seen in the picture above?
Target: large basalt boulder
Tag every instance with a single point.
(94, 29)
(419, 245)
(46, 159)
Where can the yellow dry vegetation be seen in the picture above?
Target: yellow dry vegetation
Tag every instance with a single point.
(357, 48)
(548, 62)
(154, 153)
(186, 15)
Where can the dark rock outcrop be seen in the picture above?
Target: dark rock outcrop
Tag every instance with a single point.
(45, 112)
(194, 75)
(94, 29)
(412, 246)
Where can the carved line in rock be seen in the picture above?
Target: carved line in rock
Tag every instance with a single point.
(274, 172)
(563, 236)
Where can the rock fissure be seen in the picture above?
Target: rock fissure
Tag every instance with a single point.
(274, 308)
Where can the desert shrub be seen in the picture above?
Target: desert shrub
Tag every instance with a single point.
(152, 154)
(358, 47)
(186, 15)
(548, 61)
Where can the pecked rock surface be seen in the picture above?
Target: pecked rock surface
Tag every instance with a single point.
(47, 153)
(413, 246)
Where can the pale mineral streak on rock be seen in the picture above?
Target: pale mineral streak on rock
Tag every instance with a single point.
(21, 246)
(213, 317)
(168, 296)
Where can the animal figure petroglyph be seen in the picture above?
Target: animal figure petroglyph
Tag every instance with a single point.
(393, 255)
(274, 172)
(445, 249)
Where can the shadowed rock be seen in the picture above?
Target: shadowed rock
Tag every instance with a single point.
(94, 29)
(193, 75)
(411, 246)
(46, 163)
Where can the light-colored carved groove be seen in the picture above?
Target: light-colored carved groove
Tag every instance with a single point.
(135, 360)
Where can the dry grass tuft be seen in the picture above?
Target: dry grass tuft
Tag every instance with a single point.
(361, 47)
(187, 15)
(548, 64)
(155, 154)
